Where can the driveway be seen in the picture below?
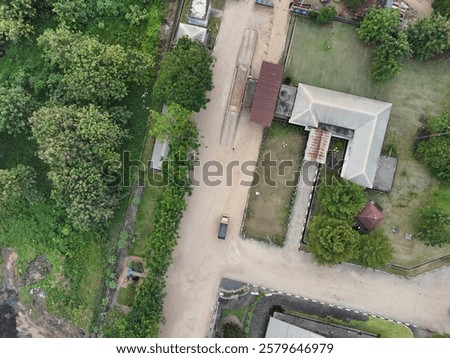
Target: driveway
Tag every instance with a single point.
(200, 260)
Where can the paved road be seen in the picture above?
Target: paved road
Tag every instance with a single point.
(201, 260)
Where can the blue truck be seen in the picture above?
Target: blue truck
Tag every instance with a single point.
(223, 226)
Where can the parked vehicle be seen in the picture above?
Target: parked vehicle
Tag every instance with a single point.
(223, 226)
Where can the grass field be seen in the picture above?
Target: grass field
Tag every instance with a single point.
(333, 57)
(268, 212)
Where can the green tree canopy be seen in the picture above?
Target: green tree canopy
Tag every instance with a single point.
(340, 198)
(174, 126)
(16, 106)
(375, 250)
(441, 7)
(354, 4)
(16, 18)
(17, 188)
(79, 144)
(378, 24)
(232, 330)
(434, 150)
(93, 71)
(388, 56)
(331, 240)
(326, 15)
(433, 226)
(429, 37)
(185, 75)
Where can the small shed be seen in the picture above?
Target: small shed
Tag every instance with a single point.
(160, 152)
(370, 216)
(199, 11)
(191, 31)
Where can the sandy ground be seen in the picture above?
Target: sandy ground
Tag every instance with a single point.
(201, 260)
(423, 7)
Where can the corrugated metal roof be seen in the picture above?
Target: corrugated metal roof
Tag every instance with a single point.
(266, 94)
(317, 146)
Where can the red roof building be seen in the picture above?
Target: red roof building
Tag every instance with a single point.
(370, 216)
(266, 93)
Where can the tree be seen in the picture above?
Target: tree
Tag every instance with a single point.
(354, 4)
(331, 240)
(441, 7)
(378, 24)
(429, 37)
(16, 17)
(93, 71)
(17, 188)
(232, 330)
(79, 144)
(375, 250)
(71, 13)
(185, 75)
(388, 56)
(16, 106)
(434, 150)
(326, 15)
(433, 226)
(174, 126)
(340, 198)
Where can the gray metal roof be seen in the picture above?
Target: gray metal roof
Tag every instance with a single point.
(368, 119)
(191, 31)
(160, 152)
(280, 329)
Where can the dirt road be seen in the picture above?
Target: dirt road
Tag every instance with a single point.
(201, 260)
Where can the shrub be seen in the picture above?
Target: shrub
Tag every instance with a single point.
(326, 15)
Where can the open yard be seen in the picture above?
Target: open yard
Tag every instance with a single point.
(333, 57)
(272, 193)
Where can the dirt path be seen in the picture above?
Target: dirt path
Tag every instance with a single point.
(200, 260)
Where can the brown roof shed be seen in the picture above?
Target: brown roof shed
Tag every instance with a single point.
(370, 216)
(266, 93)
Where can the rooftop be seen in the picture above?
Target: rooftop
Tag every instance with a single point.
(281, 329)
(367, 118)
(191, 31)
(266, 94)
(370, 216)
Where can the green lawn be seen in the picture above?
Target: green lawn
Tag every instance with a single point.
(333, 57)
(126, 295)
(239, 313)
(268, 211)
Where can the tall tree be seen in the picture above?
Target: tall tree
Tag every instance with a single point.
(433, 226)
(378, 24)
(93, 71)
(16, 18)
(340, 198)
(16, 106)
(17, 188)
(375, 250)
(331, 240)
(434, 150)
(185, 75)
(441, 7)
(429, 37)
(79, 144)
(326, 15)
(389, 55)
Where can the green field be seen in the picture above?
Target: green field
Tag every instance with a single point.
(334, 58)
(268, 211)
